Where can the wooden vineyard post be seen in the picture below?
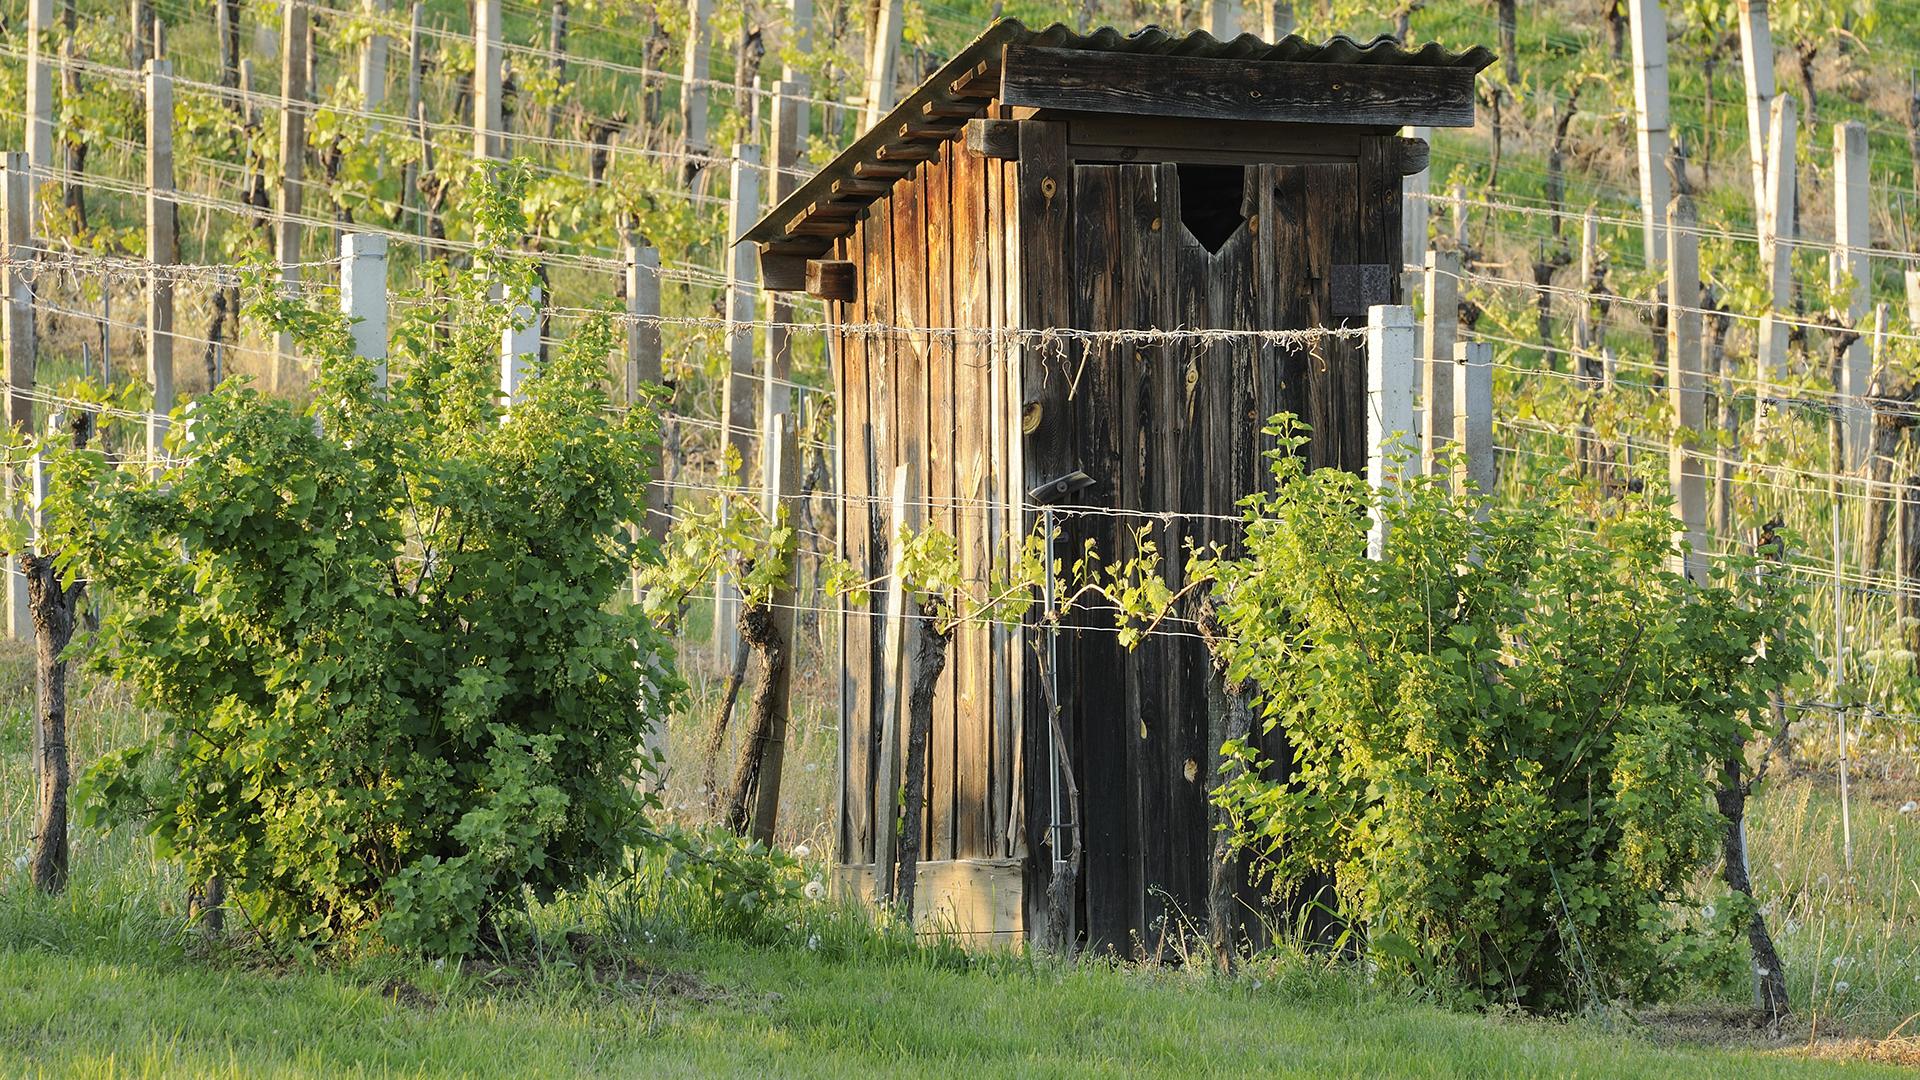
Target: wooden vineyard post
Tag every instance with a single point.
(488, 144)
(643, 369)
(1414, 213)
(693, 82)
(1473, 417)
(1436, 354)
(1906, 541)
(20, 353)
(1686, 388)
(163, 250)
(1648, 20)
(519, 348)
(893, 690)
(363, 298)
(1776, 258)
(1756, 66)
(884, 59)
(1850, 267)
(293, 151)
(737, 409)
(781, 500)
(1390, 379)
(1586, 334)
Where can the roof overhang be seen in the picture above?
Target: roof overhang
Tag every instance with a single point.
(1148, 73)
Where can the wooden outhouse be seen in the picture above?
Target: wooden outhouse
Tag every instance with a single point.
(1044, 181)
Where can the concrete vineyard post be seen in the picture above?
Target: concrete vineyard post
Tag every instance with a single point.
(1390, 379)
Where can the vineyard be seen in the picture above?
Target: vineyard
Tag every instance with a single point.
(523, 290)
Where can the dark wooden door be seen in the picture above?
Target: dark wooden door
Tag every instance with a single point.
(1172, 430)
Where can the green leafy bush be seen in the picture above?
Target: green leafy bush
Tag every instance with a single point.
(383, 631)
(1504, 736)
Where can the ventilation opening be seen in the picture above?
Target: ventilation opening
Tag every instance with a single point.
(1210, 201)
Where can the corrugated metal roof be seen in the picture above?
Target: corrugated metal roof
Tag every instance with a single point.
(1150, 41)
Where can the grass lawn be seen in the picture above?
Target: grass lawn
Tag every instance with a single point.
(721, 1010)
(102, 981)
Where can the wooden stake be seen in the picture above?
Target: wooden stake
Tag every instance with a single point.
(883, 60)
(1390, 379)
(1686, 388)
(488, 143)
(781, 501)
(1913, 297)
(163, 249)
(20, 353)
(1756, 65)
(1649, 24)
(1775, 257)
(1852, 237)
(293, 152)
(363, 297)
(893, 692)
(1436, 352)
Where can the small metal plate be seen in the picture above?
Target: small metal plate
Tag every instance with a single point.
(1359, 286)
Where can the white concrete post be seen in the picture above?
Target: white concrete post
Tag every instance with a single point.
(693, 78)
(1413, 207)
(1686, 390)
(293, 150)
(1436, 354)
(742, 305)
(363, 297)
(1390, 378)
(1648, 21)
(488, 145)
(39, 104)
(1473, 416)
(1756, 66)
(373, 63)
(643, 364)
(883, 59)
(1852, 237)
(1775, 257)
(519, 348)
(20, 353)
(1223, 19)
(163, 249)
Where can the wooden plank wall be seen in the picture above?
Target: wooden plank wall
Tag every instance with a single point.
(931, 256)
(1177, 427)
(966, 241)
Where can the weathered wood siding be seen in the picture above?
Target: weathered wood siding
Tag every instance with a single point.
(1046, 241)
(930, 256)
(1176, 428)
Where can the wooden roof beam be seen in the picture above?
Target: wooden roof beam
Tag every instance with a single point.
(1372, 95)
